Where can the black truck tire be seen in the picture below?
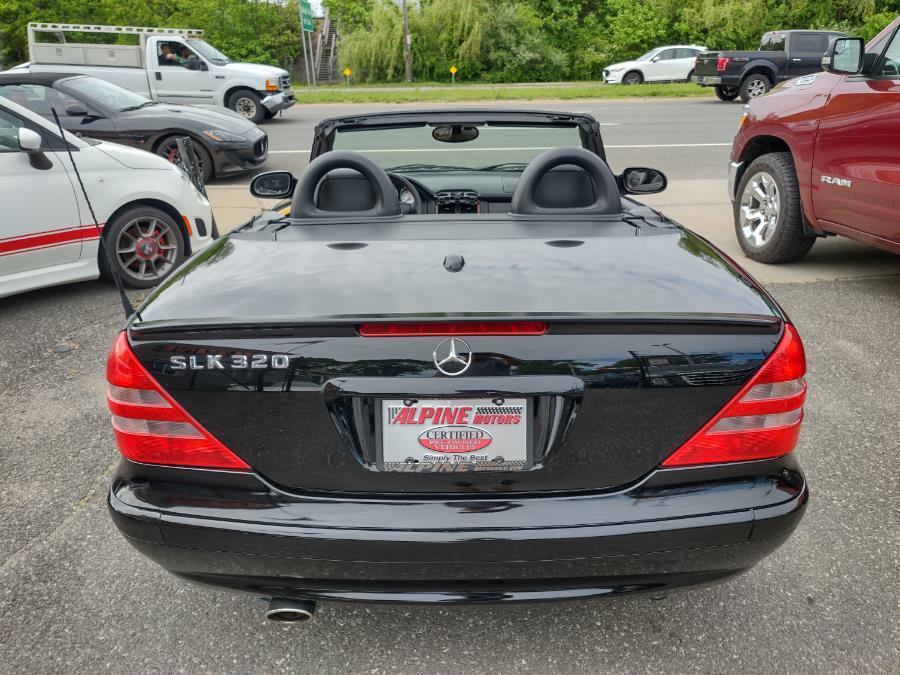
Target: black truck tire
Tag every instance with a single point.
(754, 85)
(724, 93)
(771, 230)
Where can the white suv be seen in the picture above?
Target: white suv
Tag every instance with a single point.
(672, 62)
(151, 215)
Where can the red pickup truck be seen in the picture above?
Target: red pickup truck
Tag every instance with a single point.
(820, 155)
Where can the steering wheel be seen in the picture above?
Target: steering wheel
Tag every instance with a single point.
(607, 200)
(403, 183)
(387, 204)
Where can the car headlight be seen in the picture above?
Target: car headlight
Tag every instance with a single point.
(224, 136)
(273, 85)
(744, 116)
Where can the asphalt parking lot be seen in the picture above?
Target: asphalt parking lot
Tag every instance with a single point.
(77, 598)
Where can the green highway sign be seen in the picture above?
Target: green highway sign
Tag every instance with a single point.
(306, 16)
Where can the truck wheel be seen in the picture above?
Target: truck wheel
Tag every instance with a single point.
(754, 85)
(768, 215)
(724, 93)
(632, 77)
(144, 244)
(168, 148)
(247, 104)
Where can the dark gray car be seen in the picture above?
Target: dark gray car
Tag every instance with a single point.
(225, 143)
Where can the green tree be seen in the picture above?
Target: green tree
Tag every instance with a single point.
(376, 52)
(350, 15)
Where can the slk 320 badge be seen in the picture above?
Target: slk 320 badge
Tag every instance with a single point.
(230, 362)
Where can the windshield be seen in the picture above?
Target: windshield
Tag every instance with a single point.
(208, 52)
(104, 94)
(497, 147)
(647, 56)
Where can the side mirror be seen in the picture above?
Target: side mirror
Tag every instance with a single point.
(76, 110)
(273, 185)
(640, 180)
(655, 59)
(29, 141)
(194, 63)
(845, 57)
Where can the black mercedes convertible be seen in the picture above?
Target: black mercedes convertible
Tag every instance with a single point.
(463, 366)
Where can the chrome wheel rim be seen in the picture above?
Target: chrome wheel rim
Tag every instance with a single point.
(146, 249)
(759, 210)
(756, 88)
(245, 107)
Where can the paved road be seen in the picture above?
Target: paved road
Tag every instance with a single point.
(77, 598)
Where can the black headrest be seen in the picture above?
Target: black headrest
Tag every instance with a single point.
(606, 199)
(386, 202)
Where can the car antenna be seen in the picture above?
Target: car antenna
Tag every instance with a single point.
(126, 303)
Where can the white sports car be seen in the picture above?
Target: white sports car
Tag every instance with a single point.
(150, 214)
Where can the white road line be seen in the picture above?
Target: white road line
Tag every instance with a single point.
(662, 145)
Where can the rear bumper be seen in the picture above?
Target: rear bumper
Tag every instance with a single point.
(664, 533)
(733, 81)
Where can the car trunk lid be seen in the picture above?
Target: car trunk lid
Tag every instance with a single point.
(647, 335)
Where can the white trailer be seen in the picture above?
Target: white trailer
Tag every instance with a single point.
(173, 65)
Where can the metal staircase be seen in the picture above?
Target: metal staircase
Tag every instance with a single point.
(325, 52)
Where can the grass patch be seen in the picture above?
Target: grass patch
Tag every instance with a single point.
(461, 92)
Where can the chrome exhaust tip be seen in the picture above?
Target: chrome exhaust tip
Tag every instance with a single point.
(285, 610)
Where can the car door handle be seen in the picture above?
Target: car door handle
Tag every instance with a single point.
(158, 75)
(796, 60)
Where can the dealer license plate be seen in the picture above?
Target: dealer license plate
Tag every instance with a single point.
(431, 435)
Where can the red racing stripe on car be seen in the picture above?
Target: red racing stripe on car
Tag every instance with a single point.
(47, 239)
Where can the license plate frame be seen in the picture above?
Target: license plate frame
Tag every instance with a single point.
(515, 458)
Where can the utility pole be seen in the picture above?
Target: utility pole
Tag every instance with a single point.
(407, 53)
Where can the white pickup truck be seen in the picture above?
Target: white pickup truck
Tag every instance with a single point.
(171, 65)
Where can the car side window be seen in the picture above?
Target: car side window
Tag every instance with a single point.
(666, 54)
(889, 65)
(772, 42)
(809, 44)
(9, 131)
(38, 98)
(172, 54)
(685, 53)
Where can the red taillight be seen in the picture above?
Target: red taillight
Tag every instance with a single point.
(453, 328)
(722, 62)
(762, 421)
(150, 426)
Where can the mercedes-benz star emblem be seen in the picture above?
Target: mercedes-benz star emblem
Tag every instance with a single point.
(452, 356)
